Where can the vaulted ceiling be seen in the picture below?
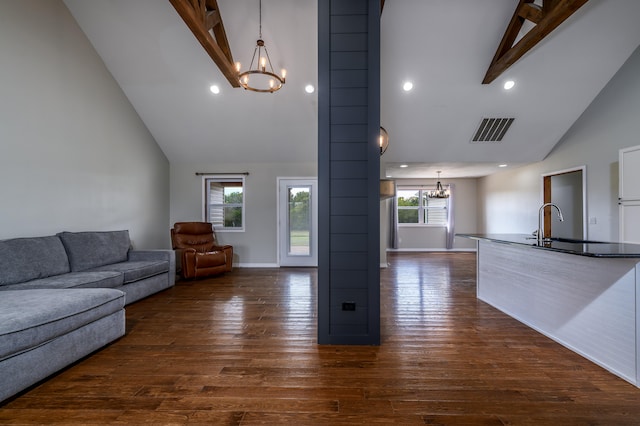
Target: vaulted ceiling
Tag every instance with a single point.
(444, 47)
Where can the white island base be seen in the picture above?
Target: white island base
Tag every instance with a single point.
(588, 304)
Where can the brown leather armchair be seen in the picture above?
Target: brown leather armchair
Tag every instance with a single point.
(197, 251)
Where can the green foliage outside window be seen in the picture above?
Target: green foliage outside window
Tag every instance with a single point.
(299, 210)
(414, 206)
(233, 215)
(408, 199)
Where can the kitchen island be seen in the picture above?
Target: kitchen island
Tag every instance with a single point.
(582, 294)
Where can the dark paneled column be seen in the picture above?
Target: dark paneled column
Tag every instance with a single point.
(349, 172)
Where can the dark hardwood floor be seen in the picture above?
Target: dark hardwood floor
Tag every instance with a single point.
(240, 349)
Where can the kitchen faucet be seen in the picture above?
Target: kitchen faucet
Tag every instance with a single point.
(541, 223)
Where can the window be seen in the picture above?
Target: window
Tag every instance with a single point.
(415, 207)
(224, 202)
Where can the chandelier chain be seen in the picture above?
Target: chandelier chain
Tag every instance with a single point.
(260, 19)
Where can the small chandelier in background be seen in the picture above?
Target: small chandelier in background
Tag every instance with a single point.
(439, 192)
(263, 78)
(383, 140)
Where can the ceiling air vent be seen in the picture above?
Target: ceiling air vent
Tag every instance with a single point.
(492, 129)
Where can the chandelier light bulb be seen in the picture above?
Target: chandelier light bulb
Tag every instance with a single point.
(238, 66)
(284, 73)
(271, 83)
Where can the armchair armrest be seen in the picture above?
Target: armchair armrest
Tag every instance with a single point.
(228, 251)
(185, 261)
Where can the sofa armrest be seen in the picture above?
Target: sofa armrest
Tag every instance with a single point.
(166, 255)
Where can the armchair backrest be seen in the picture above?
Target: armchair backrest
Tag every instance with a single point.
(196, 235)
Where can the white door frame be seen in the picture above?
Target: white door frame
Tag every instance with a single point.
(282, 219)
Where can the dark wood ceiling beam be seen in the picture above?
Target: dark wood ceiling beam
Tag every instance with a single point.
(213, 22)
(509, 36)
(554, 13)
(201, 16)
(531, 12)
(212, 19)
(548, 5)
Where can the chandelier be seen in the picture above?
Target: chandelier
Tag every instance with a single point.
(439, 192)
(262, 78)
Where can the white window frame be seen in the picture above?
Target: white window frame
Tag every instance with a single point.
(206, 204)
(422, 192)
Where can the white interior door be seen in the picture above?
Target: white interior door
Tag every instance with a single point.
(298, 222)
(629, 195)
(629, 222)
(629, 163)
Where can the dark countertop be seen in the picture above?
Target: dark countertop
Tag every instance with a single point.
(578, 247)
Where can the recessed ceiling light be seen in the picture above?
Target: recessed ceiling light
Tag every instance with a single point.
(509, 84)
(214, 89)
(309, 88)
(502, 165)
(404, 165)
(407, 86)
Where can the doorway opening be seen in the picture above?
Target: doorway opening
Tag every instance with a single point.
(566, 189)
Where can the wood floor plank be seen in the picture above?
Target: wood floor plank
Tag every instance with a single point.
(240, 349)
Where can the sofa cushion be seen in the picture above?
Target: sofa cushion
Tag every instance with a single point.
(25, 259)
(136, 270)
(88, 250)
(29, 318)
(85, 279)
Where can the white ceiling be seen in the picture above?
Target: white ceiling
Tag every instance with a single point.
(443, 46)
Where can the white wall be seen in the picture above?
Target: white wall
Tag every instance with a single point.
(419, 238)
(256, 246)
(510, 199)
(74, 154)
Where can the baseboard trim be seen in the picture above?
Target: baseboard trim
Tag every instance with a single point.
(425, 250)
(256, 265)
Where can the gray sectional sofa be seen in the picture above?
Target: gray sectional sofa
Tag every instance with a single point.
(63, 296)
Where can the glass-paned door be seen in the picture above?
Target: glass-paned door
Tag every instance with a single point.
(298, 222)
